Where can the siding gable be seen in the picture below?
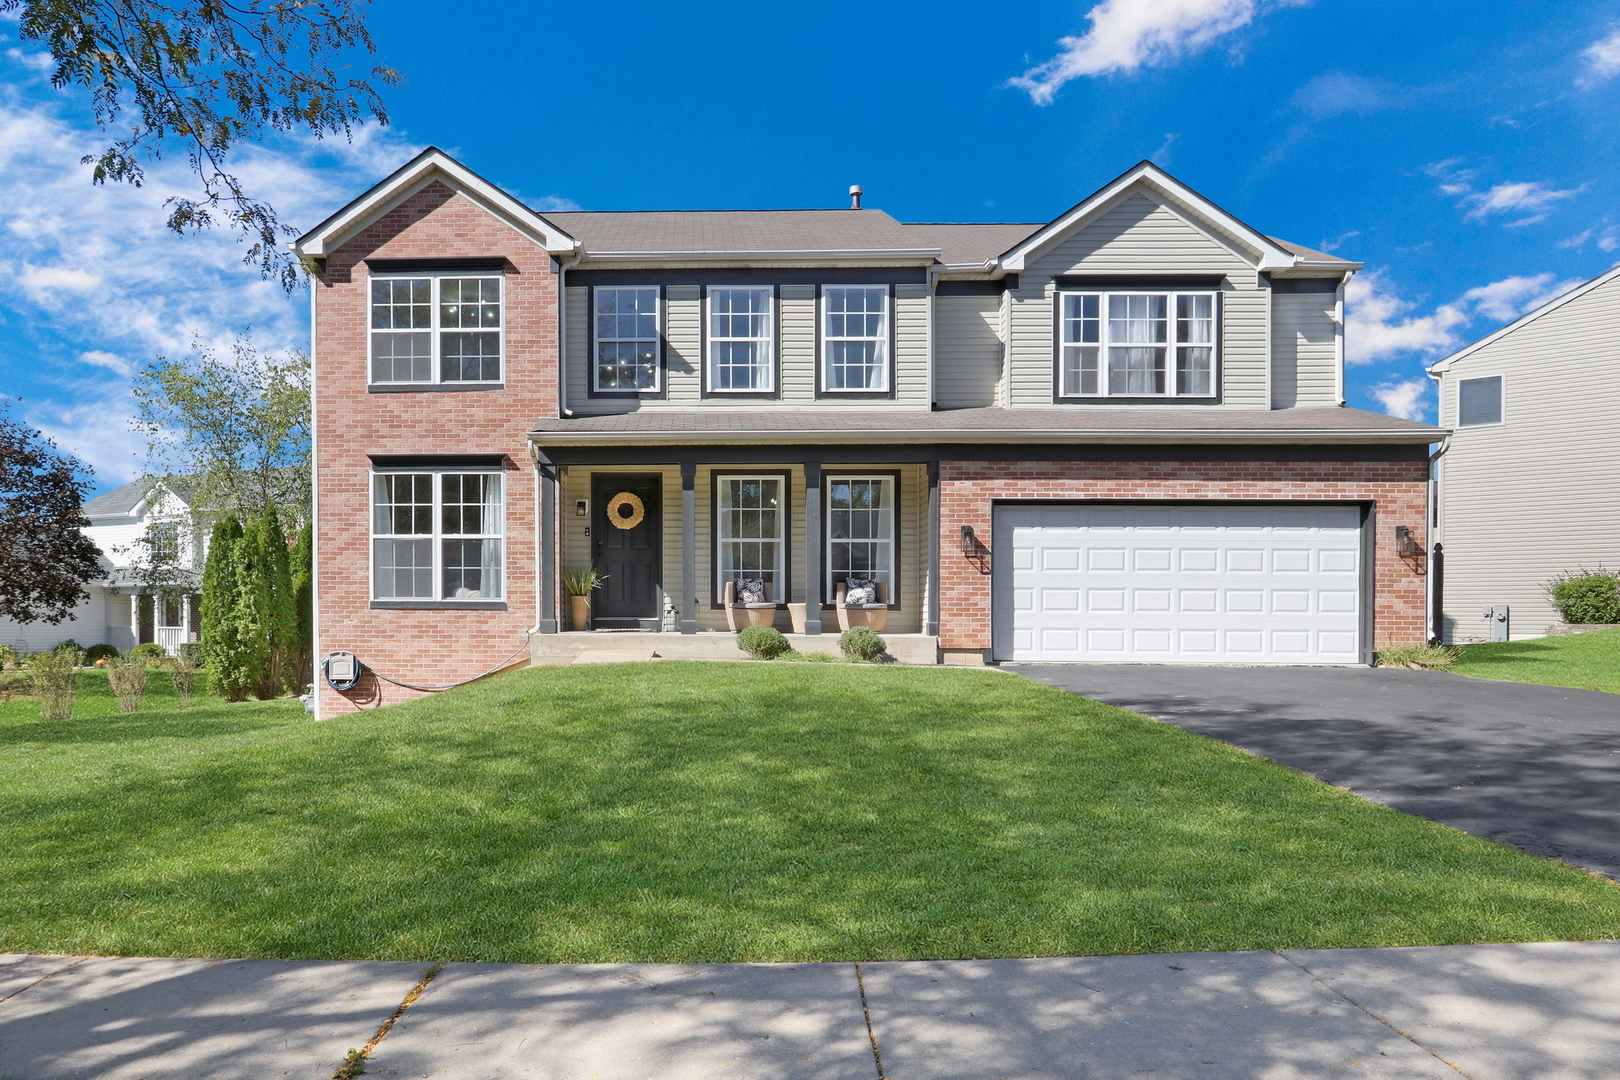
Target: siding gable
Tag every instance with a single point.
(1137, 235)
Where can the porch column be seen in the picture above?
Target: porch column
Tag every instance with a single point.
(689, 547)
(812, 547)
(546, 617)
(931, 606)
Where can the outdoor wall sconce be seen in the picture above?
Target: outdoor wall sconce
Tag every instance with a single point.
(1404, 542)
(580, 507)
(970, 544)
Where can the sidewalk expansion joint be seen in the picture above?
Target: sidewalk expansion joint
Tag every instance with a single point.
(356, 1062)
(42, 978)
(866, 1011)
(1369, 1012)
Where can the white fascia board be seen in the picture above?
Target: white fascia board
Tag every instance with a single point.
(1441, 366)
(1306, 436)
(430, 165)
(1150, 176)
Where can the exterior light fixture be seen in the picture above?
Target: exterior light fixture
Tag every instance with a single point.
(970, 545)
(1405, 544)
(580, 507)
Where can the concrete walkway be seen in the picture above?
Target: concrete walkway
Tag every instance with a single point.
(1489, 1012)
(1532, 766)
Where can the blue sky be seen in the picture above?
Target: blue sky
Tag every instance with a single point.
(1465, 151)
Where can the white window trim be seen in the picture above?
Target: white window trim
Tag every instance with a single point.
(886, 361)
(438, 472)
(828, 480)
(720, 540)
(769, 340)
(658, 338)
(1501, 403)
(1170, 345)
(435, 367)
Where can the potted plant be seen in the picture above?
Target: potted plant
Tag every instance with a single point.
(580, 584)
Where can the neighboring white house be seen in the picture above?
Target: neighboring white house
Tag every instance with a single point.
(1529, 487)
(115, 613)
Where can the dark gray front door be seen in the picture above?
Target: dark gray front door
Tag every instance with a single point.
(628, 554)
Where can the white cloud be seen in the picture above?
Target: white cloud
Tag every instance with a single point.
(555, 202)
(110, 361)
(40, 282)
(1126, 35)
(1408, 399)
(1532, 197)
(1607, 238)
(1379, 326)
(1602, 59)
(1161, 156)
(1336, 92)
(1338, 241)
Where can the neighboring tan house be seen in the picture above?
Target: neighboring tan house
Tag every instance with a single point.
(1115, 436)
(1529, 485)
(116, 612)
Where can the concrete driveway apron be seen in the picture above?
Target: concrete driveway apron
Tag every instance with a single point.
(1537, 767)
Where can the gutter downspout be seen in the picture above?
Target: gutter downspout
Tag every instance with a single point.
(314, 503)
(1431, 601)
(1338, 336)
(563, 266)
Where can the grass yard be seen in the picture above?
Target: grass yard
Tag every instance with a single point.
(1583, 661)
(711, 812)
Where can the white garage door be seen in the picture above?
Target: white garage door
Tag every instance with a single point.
(1272, 584)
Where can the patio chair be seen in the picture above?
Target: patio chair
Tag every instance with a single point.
(874, 614)
(740, 614)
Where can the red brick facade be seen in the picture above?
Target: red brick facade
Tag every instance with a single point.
(427, 647)
(1397, 492)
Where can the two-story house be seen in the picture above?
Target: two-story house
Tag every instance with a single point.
(1118, 435)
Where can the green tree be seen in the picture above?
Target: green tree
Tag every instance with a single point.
(274, 596)
(228, 658)
(303, 583)
(45, 557)
(202, 77)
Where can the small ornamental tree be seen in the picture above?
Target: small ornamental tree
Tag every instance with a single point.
(303, 585)
(228, 659)
(45, 557)
(280, 628)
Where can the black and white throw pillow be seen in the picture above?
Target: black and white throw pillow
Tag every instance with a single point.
(860, 591)
(750, 590)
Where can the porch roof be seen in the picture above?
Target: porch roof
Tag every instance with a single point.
(669, 426)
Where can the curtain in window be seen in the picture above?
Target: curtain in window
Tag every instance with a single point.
(856, 338)
(471, 527)
(1082, 334)
(1136, 368)
(860, 530)
(739, 339)
(749, 531)
(1195, 344)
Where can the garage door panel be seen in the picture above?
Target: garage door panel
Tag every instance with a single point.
(1208, 583)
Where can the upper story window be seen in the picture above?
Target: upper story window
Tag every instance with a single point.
(741, 358)
(437, 536)
(440, 329)
(855, 338)
(1479, 401)
(1137, 345)
(627, 339)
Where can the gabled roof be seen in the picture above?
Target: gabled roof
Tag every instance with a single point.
(1443, 365)
(1266, 253)
(126, 501)
(430, 165)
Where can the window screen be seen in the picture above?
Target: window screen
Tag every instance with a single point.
(1479, 401)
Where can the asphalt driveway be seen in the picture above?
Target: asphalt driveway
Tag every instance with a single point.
(1537, 767)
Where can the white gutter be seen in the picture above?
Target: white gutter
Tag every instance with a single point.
(562, 330)
(978, 435)
(314, 503)
(1338, 337)
(1434, 509)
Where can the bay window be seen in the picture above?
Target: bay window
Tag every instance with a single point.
(860, 530)
(627, 339)
(855, 338)
(741, 358)
(435, 330)
(750, 531)
(1137, 344)
(437, 536)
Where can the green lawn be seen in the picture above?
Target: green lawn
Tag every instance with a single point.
(709, 811)
(1584, 661)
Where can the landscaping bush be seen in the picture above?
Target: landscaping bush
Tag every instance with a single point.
(101, 652)
(862, 643)
(72, 646)
(1420, 657)
(8, 657)
(54, 674)
(1587, 596)
(126, 677)
(183, 676)
(763, 642)
(193, 654)
(147, 652)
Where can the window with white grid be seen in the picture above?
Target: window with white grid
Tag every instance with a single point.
(435, 329)
(855, 338)
(860, 530)
(627, 339)
(750, 514)
(740, 353)
(1137, 345)
(437, 536)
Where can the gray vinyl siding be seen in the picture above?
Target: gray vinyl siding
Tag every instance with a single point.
(967, 351)
(683, 344)
(911, 340)
(1538, 494)
(578, 314)
(1304, 350)
(1140, 236)
(798, 325)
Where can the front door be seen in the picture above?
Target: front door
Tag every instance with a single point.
(625, 533)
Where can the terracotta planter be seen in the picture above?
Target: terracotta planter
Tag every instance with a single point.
(579, 612)
(762, 616)
(796, 617)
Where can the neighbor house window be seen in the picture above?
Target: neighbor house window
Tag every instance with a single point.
(740, 355)
(750, 525)
(855, 338)
(860, 530)
(1479, 401)
(1137, 345)
(627, 339)
(435, 330)
(436, 536)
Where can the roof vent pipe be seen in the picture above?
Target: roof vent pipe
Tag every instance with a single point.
(854, 196)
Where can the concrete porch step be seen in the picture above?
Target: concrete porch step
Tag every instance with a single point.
(709, 645)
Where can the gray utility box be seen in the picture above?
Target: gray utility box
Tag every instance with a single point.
(1499, 621)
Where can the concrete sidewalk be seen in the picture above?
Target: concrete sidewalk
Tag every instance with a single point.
(1489, 1012)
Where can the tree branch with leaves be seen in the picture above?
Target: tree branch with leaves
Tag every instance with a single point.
(45, 557)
